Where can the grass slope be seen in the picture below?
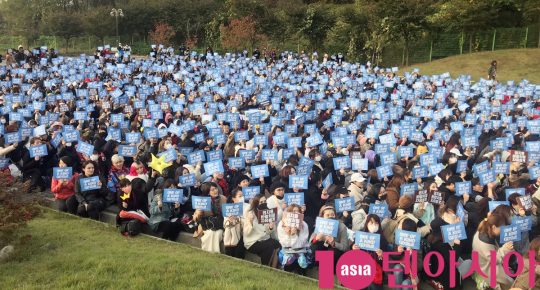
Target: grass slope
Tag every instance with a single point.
(68, 252)
(513, 64)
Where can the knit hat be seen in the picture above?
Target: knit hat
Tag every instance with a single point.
(405, 201)
(276, 185)
(67, 161)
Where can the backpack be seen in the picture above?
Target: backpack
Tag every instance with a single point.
(130, 228)
(390, 229)
(232, 233)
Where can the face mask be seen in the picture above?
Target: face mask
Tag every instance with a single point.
(3, 121)
(318, 158)
(167, 146)
(94, 157)
(324, 197)
(279, 197)
(242, 199)
(262, 206)
(373, 228)
(68, 144)
(452, 160)
(345, 152)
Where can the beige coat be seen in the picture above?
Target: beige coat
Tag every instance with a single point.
(484, 254)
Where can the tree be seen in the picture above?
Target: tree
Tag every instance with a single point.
(65, 25)
(316, 25)
(98, 22)
(240, 33)
(163, 33)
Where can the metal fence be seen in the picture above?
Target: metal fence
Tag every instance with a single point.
(423, 50)
(448, 44)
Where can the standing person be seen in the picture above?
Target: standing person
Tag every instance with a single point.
(492, 72)
(64, 190)
(91, 202)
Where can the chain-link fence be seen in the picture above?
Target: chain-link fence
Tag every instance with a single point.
(423, 50)
(448, 44)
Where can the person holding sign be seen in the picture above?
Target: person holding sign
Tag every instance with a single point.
(232, 235)
(118, 172)
(257, 236)
(91, 201)
(485, 241)
(131, 216)
(293, 235)
(165, 215)
(33, 168)
(522, 281)
(277, 189)
(210, 221)
(400, 277)
(64, 189)
(447, 216)
(373, 226)
(522, 206)
(142, 183)
(338, 243)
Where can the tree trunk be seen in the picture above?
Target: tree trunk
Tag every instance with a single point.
(470, 43)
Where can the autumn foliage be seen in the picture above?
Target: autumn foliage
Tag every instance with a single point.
(163, 33)
(240, 33)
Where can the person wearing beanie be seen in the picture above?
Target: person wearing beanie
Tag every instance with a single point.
(64, 189)
(277, 190)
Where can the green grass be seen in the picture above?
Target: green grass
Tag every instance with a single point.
(513, 64)
(66, 252)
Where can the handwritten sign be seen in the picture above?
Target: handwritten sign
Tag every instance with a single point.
(294, 219)
(421, 196)
(436, 198)
(267, 216)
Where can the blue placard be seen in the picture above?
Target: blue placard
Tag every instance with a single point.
(454, 232)
(85, 148)
(380, 209)
(462, 188)
(173, 195)
(327, 181)
(523, 222)
(486, 177)
(407, 239)
(250, 192)
(38, 151)
(409, 189)
(232, 209)
(327, 227)
(127, 151)
(90, 183)
(294, 198)
(70, 136)
(461, 166)
(170, 154)
(510, 191)
(344, 204)
(213, 167)
(201, 203)
(196, 157)
(367, 241)
(258, 171)
(134, 138)
(11, 138)
(360, 164)
(494, 204)
(511, 233)
(63, 173)
(237, 163)
(187, 180)
(298, 181)
(343, 162)
(385, 171)
(269, 154)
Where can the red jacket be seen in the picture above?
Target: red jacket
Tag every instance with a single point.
(63, 191)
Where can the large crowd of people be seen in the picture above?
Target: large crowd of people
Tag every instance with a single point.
(282, 155)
